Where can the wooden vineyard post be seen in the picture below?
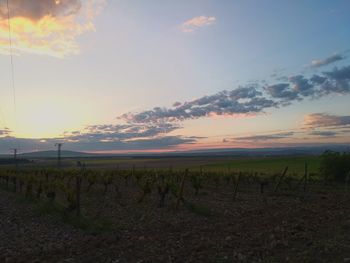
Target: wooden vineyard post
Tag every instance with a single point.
(281, 178)
(7, 181)
(181, 190)
(235, 191)
(15, 183)
(78, 188)
(347, 181)
(263, 183)
(305, 177)
(20, 185)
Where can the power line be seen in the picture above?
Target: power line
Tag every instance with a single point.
(12, 65)
(11, 54)
(2, 119)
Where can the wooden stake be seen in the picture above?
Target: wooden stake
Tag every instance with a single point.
(180, 195)
(305, 177)
(78, 188)
(235, 191)
(281, 178)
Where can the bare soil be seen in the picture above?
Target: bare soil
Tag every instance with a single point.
(312, 226)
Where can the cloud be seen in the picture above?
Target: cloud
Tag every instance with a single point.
(338, 81)
(126, 137)
(122, 132)
(298, 87)
(339, 74)
(244, 100)
(5, 132)
(197, 22)
(153, 129)
(47, 27)
(282, 91)
(154, 143)
(164, 142)
(36, 10)
(266, 137)
(250, 99)
(317, 120)
(324, 133)
(317, 79)
(106, 138)
(302, 86)
(326, 61)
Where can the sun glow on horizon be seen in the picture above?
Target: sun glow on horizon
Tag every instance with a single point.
(148, 76)
(50, 119)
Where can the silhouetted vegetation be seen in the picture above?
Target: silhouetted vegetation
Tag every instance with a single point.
(7, 161)
(335, 166)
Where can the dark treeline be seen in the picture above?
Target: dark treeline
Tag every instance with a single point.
(5, 161)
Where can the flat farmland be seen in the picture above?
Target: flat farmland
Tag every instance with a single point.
(268, 164)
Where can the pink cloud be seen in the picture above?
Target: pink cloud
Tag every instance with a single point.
(317, 120)
(197, 22)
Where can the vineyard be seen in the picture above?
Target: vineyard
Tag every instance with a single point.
(76, 190)
(193, 211)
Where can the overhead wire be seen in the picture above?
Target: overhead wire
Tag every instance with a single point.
(11, 54)
(12, 69)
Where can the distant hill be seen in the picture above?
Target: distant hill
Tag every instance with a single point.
(306, 150)
(53, 154)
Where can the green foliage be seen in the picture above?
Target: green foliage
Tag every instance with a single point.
(335, 166)
(65, 191)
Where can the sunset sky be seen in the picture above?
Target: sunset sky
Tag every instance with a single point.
(127, 75)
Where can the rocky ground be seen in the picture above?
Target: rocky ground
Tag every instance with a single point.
(314, 228)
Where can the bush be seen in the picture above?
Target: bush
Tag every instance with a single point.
(335, 165)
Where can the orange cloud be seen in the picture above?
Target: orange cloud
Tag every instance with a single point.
(318, 120)
(196, 23)
(48, 27)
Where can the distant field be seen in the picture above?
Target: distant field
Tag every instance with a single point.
(295, 164)
(272, 164)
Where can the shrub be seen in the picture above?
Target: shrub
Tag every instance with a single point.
(335, 165)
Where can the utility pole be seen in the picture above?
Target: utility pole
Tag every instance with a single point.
(59, 146)
(15, 157)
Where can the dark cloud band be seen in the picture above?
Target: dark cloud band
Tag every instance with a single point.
(326, 61)
(251, 99)
(37, 9)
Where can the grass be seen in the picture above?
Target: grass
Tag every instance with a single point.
(269, 164)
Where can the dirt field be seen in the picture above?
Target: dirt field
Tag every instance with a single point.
(286, 226)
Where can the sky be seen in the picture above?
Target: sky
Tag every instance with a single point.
(139, 76)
